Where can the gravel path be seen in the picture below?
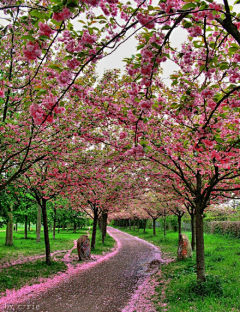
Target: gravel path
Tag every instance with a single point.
(105, 287)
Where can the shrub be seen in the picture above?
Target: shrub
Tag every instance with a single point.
(231, 228)
(212, 286)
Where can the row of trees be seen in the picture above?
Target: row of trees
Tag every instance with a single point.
(104, 144)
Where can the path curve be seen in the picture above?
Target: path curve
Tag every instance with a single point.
(106, 287)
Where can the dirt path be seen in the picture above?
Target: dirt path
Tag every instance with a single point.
(105, 287)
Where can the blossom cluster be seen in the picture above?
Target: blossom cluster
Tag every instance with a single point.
(62, 16)
(32, 50)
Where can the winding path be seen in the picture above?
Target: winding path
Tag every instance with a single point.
(105, 287)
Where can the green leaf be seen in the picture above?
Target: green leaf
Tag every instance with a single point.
(237, 2)
(27, 37)
(166, 27)
(188, 6)
(56, 67)
(224, 65)
(218, 139)
(56, 22)
(140, 46)
(43, 38)
(38, 14)
(233, 49)
(42, 91)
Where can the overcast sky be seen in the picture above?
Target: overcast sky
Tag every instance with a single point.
(128, 48)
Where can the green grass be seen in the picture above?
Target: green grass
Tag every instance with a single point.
(28, 273)
(29, 247)
(221, 291)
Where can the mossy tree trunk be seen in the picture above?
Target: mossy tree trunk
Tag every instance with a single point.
(54, 222)
(9, 230)
(38, 225)
(46, 234)
(25, 226)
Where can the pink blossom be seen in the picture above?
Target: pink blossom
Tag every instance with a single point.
(146, 21)
(59, 110)
(215, 6)
(73, 63)
(122, 135)
(62, 16)
(136, 150)
(147, 53)
(145, 104)
(91, 2)
(207, 93)
(195, 31)
(1, 93)
(65, 77)
(45, 30)
(87, 38)
(32, 50)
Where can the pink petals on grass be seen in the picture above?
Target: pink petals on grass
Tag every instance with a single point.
(26, 292)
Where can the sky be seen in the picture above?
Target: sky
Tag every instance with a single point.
(128, 48)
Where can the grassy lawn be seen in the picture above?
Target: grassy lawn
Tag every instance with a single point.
(29, 247)
(221, 291)
(28, 273)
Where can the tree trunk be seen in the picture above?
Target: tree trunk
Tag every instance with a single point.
(179, 225)
(94, 230)
(26, 230)
(104, 225)
(45, 227)
(9, 230)
(200, 247)
(134, 224)
(164, 225)
(38, 225)
(29, 226)
(54, 222)
(154, 226)
(144, 225)
(58, 226)
(74, 227)
(100, 223)
(138, 225)
(193, 228)
(16, 227)
(130, 224)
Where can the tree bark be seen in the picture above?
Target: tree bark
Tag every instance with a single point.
(38, 225)
(16, 227)
(164, 225)
(94, 230)
(9, 230)
(144, 225)
(193, 228)
(54, 222)
(134, 224)
(154, 226)
(74, 227)
(129, 221)
(104, 225)
(26, 224)
(200, 246)
(179, 225)
(46, 235)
